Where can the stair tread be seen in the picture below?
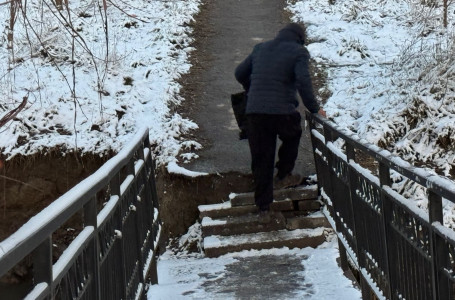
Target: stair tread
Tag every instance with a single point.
(316, 214)
(260, 237)
(297, 193)
(228, 205)
(248, 223)
(226, 209)
(248, 218)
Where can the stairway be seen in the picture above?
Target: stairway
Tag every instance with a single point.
(234, 225)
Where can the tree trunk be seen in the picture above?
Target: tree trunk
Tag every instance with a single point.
(59, 4)
(12, 20)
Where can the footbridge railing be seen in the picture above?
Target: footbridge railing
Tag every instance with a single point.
(113, 255)
(400, 251)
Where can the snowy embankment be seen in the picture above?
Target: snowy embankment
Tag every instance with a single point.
(94, 75)
(390, 78)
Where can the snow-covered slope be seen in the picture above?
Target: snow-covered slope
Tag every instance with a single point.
(390, 70)
(93, 75)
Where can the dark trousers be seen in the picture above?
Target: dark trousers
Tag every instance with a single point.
(262, 132)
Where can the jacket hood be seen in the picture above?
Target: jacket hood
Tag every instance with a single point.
(292, 32)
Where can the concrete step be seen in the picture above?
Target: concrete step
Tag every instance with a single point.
(313, 220)
(300, 238)
(249, 223)
(309, 205)
(226, 209)
(298, 193)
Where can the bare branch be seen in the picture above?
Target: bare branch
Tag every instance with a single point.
(123, 11)
(12, 114)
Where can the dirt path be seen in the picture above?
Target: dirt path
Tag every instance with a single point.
(225, 32)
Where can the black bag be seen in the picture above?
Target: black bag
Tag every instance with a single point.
(238, 102)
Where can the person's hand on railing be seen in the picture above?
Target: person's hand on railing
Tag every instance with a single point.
(322, 112)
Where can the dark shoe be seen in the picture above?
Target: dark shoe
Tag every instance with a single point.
(288, 181)
(243, 135)
(270, 217)
(265, 216)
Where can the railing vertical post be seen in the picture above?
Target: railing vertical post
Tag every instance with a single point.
(350, 155)
(93, 250)
(384, 180)
(141, 151)
(438, 255)
(151, 187)
(42, 265)
(139, 230)
(310, 120)
(130, 167)
(435, 207)
(115, 190)
(328, 137)
(343, 256)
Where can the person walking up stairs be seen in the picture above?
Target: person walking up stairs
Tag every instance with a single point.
(272, 75)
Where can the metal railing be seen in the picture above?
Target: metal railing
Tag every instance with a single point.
(400, 251)
(114, 254)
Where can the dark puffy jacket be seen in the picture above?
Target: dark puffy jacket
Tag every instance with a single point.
(275, 71)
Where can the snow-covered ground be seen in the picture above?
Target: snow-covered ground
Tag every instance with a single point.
(94, 75)
(390, 78)
(310, 274)
(390, 72)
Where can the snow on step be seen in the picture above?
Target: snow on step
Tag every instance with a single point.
(226, 209)
(300, 238)
(248, 223)
(223, 210)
